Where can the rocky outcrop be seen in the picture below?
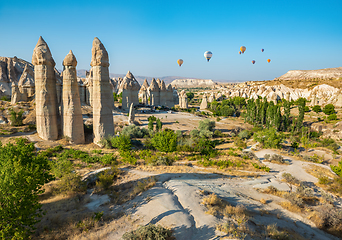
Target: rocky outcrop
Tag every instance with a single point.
(154, 93)
(46, 94)
(26, 82)
(131, 114)
(190, 83)
(130, 91)
(15, 94)
(310, 74)
(103, 102)
(169, 96)
(204, 103)
(71, 106)
(183, 100)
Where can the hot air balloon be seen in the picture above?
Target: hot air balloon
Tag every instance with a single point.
(243, 49)
(240, 52)
(253, 61)
(180, 62)
(208, 55)
(268, 60)
(262, 50)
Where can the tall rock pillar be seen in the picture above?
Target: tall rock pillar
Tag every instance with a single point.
(46, 94)
(103, 101)
(71, 104)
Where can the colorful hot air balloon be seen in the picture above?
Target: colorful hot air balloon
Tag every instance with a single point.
(240, 52)
(262, 50)
(268, 60)
(243, 49)
(180, 62)
(208, 55)
(253, 61)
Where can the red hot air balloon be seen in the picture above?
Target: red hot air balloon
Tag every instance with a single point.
(268, 60)
(253, 61)
(262, 50)
(240, 52)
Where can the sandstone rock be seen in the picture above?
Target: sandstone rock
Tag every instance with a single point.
(183, 100)
(204, 103)
(131, 115)
(310, 74)
(103, 102)
(188, 83)
(154, 93)
(169, 96)
(71, 108)
(15, 94)
(46, 95)
(130, 91)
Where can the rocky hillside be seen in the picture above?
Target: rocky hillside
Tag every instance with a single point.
(15, 70)
(191, 83)
(326, 73)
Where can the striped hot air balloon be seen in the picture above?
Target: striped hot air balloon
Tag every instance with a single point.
(243, 49)
(180, 62)
(208, 55)
(253, 61)
(262, 50)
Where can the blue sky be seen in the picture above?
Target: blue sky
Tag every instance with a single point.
(147, 37)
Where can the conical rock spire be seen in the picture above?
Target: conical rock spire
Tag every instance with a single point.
(99, 54)
(70, 60)
(41, 54)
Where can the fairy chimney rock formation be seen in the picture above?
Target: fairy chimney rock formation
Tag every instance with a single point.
(46, 95)
(131, 114)
(103, 102)
(154, 93)
(130, 91)
(15, 94)
(26, 83)
(204, 103)
(169, 96)
(71, 104)
(183, 100)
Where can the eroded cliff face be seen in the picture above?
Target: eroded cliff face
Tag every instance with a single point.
(186, 83)
(326, 73)
(18, 71)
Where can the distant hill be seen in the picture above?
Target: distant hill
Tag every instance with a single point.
(191, 83)
(325, 73)
(167, 79)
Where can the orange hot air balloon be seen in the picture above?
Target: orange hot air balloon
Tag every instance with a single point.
(239, 52)
(268, 60)
(253, 61)
(180, 62)
(243, 49)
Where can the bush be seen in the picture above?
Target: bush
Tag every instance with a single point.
(23, 174)
(206, 125)
(160, 160)
(134, 131)
(205, 146)
(106, 178)
(329, 109)
(165, 141)
(332, 117)
(329, 143)
(337, 169)
(121, 142)
(16, 117)
(218, 133)
(127, 157)
(270, 138)
(61, 167)
(249, 155)
(151, 231)
(317, 108)
(277, 158)
(267, 156)
(306, 109)
(295, 145)
(70, 183)
(227, 111)
(240, 143)
(109, 159)
(245, 134)
(290, 179)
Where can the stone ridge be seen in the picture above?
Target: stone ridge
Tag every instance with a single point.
(310, 74)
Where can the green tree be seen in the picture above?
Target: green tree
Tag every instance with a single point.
(317, 108)
(206, 124)
(22, 176)
(150, 125)
(286, 117)
(269, 138)
(301, 109)
(165, 141)
(329, 109)
(16, 117)
(227, 111)
(190, 96)
(159, 125)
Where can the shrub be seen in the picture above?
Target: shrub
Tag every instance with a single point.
(23, 174)
(270, 138)
(206, 125)
(294, 199)
(250, 155)
(227, 111)
(108, 159)
(204, 146)
(317, 108)
(194, 133)
(277, 158)
(159, 125)
(16, 117)
(329, 109)
(165, 141)
(240, 143)
(70, 183)
(160, 160)
(106, 178)
(267, 156)
(306, 109)
(329, 143)
(332, 117)
(206, 134)
(61, 167)
(245, 134)
(290, 179)
(337, 169)
(151, 231)
(134, 131)
(121, 142)
(127, 157)
(5, 98)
